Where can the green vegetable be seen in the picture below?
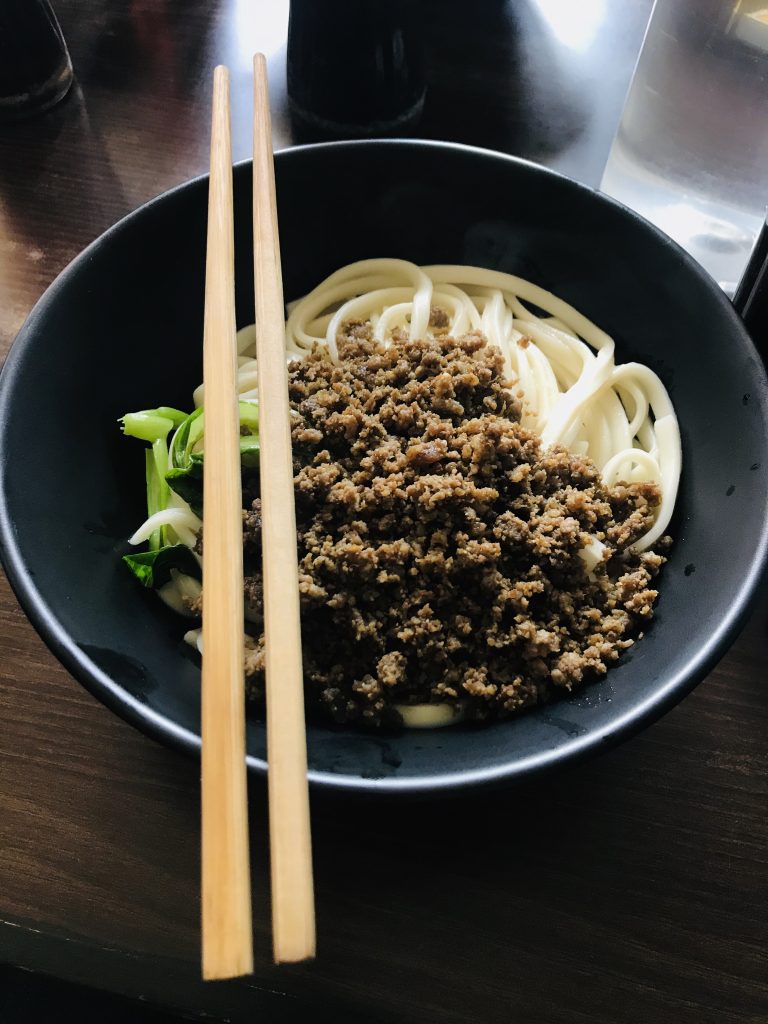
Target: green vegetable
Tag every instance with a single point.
(154, 425)
(158, 493)
(188, 433)
(185, 474)
(178, 466)
(153, 568)
(151, 424)
(188, 484)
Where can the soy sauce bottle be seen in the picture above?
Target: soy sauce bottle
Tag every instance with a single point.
(35, 68)
(355, 67)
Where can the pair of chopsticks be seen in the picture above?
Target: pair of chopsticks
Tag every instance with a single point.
(227, 947)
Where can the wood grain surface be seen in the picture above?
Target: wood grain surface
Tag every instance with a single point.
(632, 889)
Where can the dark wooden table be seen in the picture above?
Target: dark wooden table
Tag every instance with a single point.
(631, 889)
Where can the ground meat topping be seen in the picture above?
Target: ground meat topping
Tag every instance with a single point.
(439, 544)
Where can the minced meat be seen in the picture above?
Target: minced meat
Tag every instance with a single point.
(439, 544)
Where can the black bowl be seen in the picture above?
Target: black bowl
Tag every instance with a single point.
(121, 329)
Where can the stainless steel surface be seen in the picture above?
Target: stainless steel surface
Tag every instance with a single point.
(691, 152)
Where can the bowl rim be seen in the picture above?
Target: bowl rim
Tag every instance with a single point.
(164, 729)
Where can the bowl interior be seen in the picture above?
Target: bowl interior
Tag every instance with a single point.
(121, 330)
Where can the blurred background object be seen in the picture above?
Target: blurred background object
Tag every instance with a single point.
(35, 68)
(691, 152)
(355, 67)
(751, 298)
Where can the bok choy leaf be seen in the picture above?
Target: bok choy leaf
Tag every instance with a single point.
(186, 454)
(153, 568)
(177, 467)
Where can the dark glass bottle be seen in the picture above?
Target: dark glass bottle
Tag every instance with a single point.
(355, 67)
(35, 69)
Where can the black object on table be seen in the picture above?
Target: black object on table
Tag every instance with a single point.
(35, 68)
(355, 67)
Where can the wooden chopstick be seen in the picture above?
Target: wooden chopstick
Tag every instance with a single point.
(227, 947)
(293, 909)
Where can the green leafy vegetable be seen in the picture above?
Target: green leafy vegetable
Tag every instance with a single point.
(188, 484)
(151, 424)
(186, 454)
(153, 568)
(178, 466)
(154, 425)
(188, 433)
